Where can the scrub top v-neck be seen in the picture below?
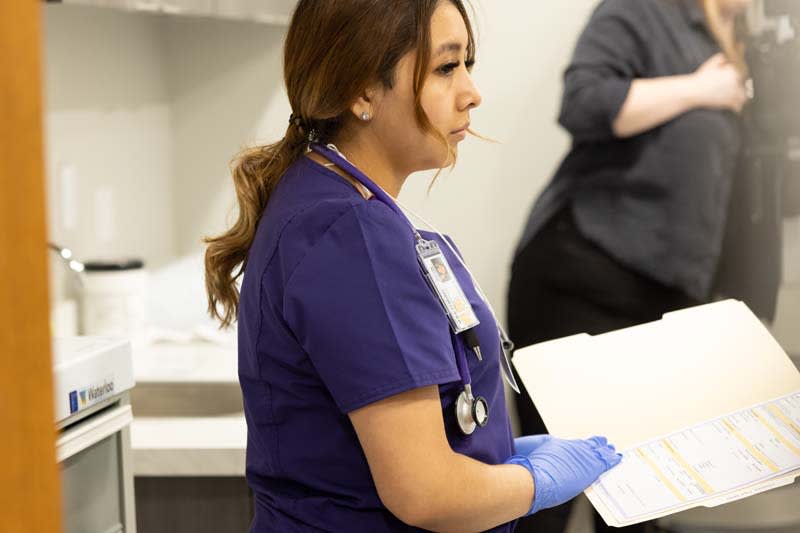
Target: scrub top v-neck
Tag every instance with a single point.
(335, 314)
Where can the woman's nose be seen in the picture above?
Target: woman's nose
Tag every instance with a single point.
(471, 96)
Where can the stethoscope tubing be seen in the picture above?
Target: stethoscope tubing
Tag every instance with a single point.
(340, 161)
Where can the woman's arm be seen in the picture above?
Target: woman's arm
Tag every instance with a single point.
(652, 102)
(422, 481)
(607, 90)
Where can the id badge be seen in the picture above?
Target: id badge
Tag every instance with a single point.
(444, 283)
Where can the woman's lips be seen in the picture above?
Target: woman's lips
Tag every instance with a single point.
(460, 132)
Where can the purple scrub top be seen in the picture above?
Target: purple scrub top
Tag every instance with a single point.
(335, 314)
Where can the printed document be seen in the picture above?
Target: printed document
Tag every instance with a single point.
(704, 405)
(703, 462)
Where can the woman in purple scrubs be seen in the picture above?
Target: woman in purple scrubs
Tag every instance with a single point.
(348, 364)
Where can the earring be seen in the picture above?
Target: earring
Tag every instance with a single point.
(364, 116)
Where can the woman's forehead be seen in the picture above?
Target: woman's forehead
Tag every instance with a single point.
(448, 31)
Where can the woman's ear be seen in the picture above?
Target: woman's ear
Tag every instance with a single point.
(365, 105)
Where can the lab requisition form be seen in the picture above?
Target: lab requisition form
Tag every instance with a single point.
(710, 459)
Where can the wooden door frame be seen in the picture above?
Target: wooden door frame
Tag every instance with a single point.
(29, 483)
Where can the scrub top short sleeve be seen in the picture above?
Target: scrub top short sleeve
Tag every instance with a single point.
(358, 304)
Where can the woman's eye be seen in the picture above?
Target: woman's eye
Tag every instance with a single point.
(447, 68)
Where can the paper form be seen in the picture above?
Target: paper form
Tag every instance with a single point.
(704, 461)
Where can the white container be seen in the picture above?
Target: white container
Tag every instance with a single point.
(113, 299)
(64, 318)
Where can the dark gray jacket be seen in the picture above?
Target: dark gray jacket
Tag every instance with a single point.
(656, 202)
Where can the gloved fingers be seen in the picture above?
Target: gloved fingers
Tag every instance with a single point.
(608, 456)
(598, 440)
(602, 442)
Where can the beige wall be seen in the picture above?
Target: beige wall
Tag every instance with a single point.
(108, 118)
(226, 90)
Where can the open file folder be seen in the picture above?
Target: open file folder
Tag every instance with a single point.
(704, 405)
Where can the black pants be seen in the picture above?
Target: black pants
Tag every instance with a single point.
(562, 284)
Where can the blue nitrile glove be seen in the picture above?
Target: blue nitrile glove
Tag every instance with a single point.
(525, 445)
(562, 469)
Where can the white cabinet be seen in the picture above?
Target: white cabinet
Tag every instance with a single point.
(269, 12)
(94, 455)
(171, 7)
(275, 12)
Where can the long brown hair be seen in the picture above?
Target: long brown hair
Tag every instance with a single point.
(334, 50)
(730, 44)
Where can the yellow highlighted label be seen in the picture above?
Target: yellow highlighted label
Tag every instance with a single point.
(752, 449)
(785, 419)
(660, 475)
(707, 489)
(777, 433)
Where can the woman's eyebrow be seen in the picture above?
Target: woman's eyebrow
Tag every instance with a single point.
(450, 46)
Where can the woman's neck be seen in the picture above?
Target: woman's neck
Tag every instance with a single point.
(370, 159)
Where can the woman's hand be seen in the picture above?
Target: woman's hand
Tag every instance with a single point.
(719, 85)
(562, 469)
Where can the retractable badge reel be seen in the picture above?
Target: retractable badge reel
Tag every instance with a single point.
(471, 411)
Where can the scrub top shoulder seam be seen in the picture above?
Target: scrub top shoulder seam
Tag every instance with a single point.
(353, 208)
(339, 216)
(348, 205)
(273, 254)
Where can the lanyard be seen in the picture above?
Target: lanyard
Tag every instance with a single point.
(461, 360)
(335, 157)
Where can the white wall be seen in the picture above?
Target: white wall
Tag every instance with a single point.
(523, 48)
(145, 112)
(108, 117)
(226, 87)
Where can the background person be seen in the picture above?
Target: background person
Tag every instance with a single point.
(631, 225)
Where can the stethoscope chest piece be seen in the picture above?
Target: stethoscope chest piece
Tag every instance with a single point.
(471, 412)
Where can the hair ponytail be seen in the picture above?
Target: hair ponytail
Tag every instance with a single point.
(256, 171)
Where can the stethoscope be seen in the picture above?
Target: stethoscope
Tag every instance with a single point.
(471, 411)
